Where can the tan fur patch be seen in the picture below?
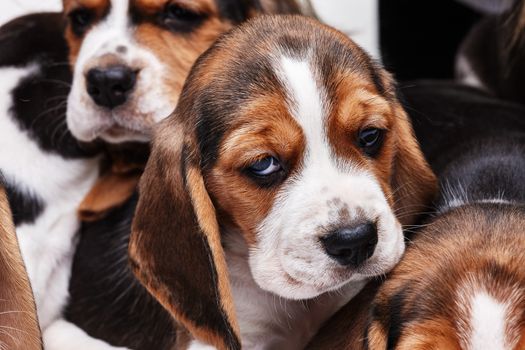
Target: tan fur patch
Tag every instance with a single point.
(208, 222)
(265, 128)
(178, 52)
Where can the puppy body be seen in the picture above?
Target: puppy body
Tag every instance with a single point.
(460, 283)
(237, 257)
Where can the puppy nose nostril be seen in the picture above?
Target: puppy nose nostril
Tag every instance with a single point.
(351, 246)
(110, 87)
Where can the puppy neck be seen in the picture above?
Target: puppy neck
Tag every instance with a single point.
(268, 321)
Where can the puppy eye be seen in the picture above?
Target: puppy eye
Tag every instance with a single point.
(370, 140)
(265, 167)
(80, 20)
(179, 18)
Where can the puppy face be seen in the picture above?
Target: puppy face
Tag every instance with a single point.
(303, 162)
(131, 57)
(460, 286)
(294, 140)
(293, 171)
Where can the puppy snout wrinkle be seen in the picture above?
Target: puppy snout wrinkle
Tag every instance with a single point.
(351, 245)
(110, 87)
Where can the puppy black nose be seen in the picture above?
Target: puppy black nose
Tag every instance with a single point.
(351, 245)
(110, 87)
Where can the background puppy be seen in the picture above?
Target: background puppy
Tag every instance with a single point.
(492, 56)
(460, 283)
(18, 320)
(277, 180)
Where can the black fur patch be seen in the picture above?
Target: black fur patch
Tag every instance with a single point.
(39, 101)
(237, 11)
(106, 300)
(26, 207)
(396, 320)
(476, 155)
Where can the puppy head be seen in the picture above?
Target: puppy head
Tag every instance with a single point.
(131, 57)
(459, 286)
(294, 137)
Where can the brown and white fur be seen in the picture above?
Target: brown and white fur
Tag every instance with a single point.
(461, 283)
(18, 320)
(239, 257)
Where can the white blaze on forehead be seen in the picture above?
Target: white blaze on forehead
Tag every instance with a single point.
(488, 323)
(307, 102)
(111, 31)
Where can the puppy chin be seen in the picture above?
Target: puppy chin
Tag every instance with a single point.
(118, 134)
(131, 122)
(274, 278)
(108, 132)
(90, 123)
(282, 286)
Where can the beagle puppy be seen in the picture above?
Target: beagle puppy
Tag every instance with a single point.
(460, 282)
(18, 320)
(492, 56)
(49, 173)
(277, 188)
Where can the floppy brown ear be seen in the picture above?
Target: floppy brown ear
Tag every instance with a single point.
(17, 305)
(414, 183)
(175, 245)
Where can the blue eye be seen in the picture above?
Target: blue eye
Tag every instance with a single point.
(265, 166)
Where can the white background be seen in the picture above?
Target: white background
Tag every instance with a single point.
(357, 18)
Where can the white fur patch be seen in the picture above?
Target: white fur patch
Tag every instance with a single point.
(146, 105)
(488, 323)
(289, 245)
(63, 335)
(197, 345)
